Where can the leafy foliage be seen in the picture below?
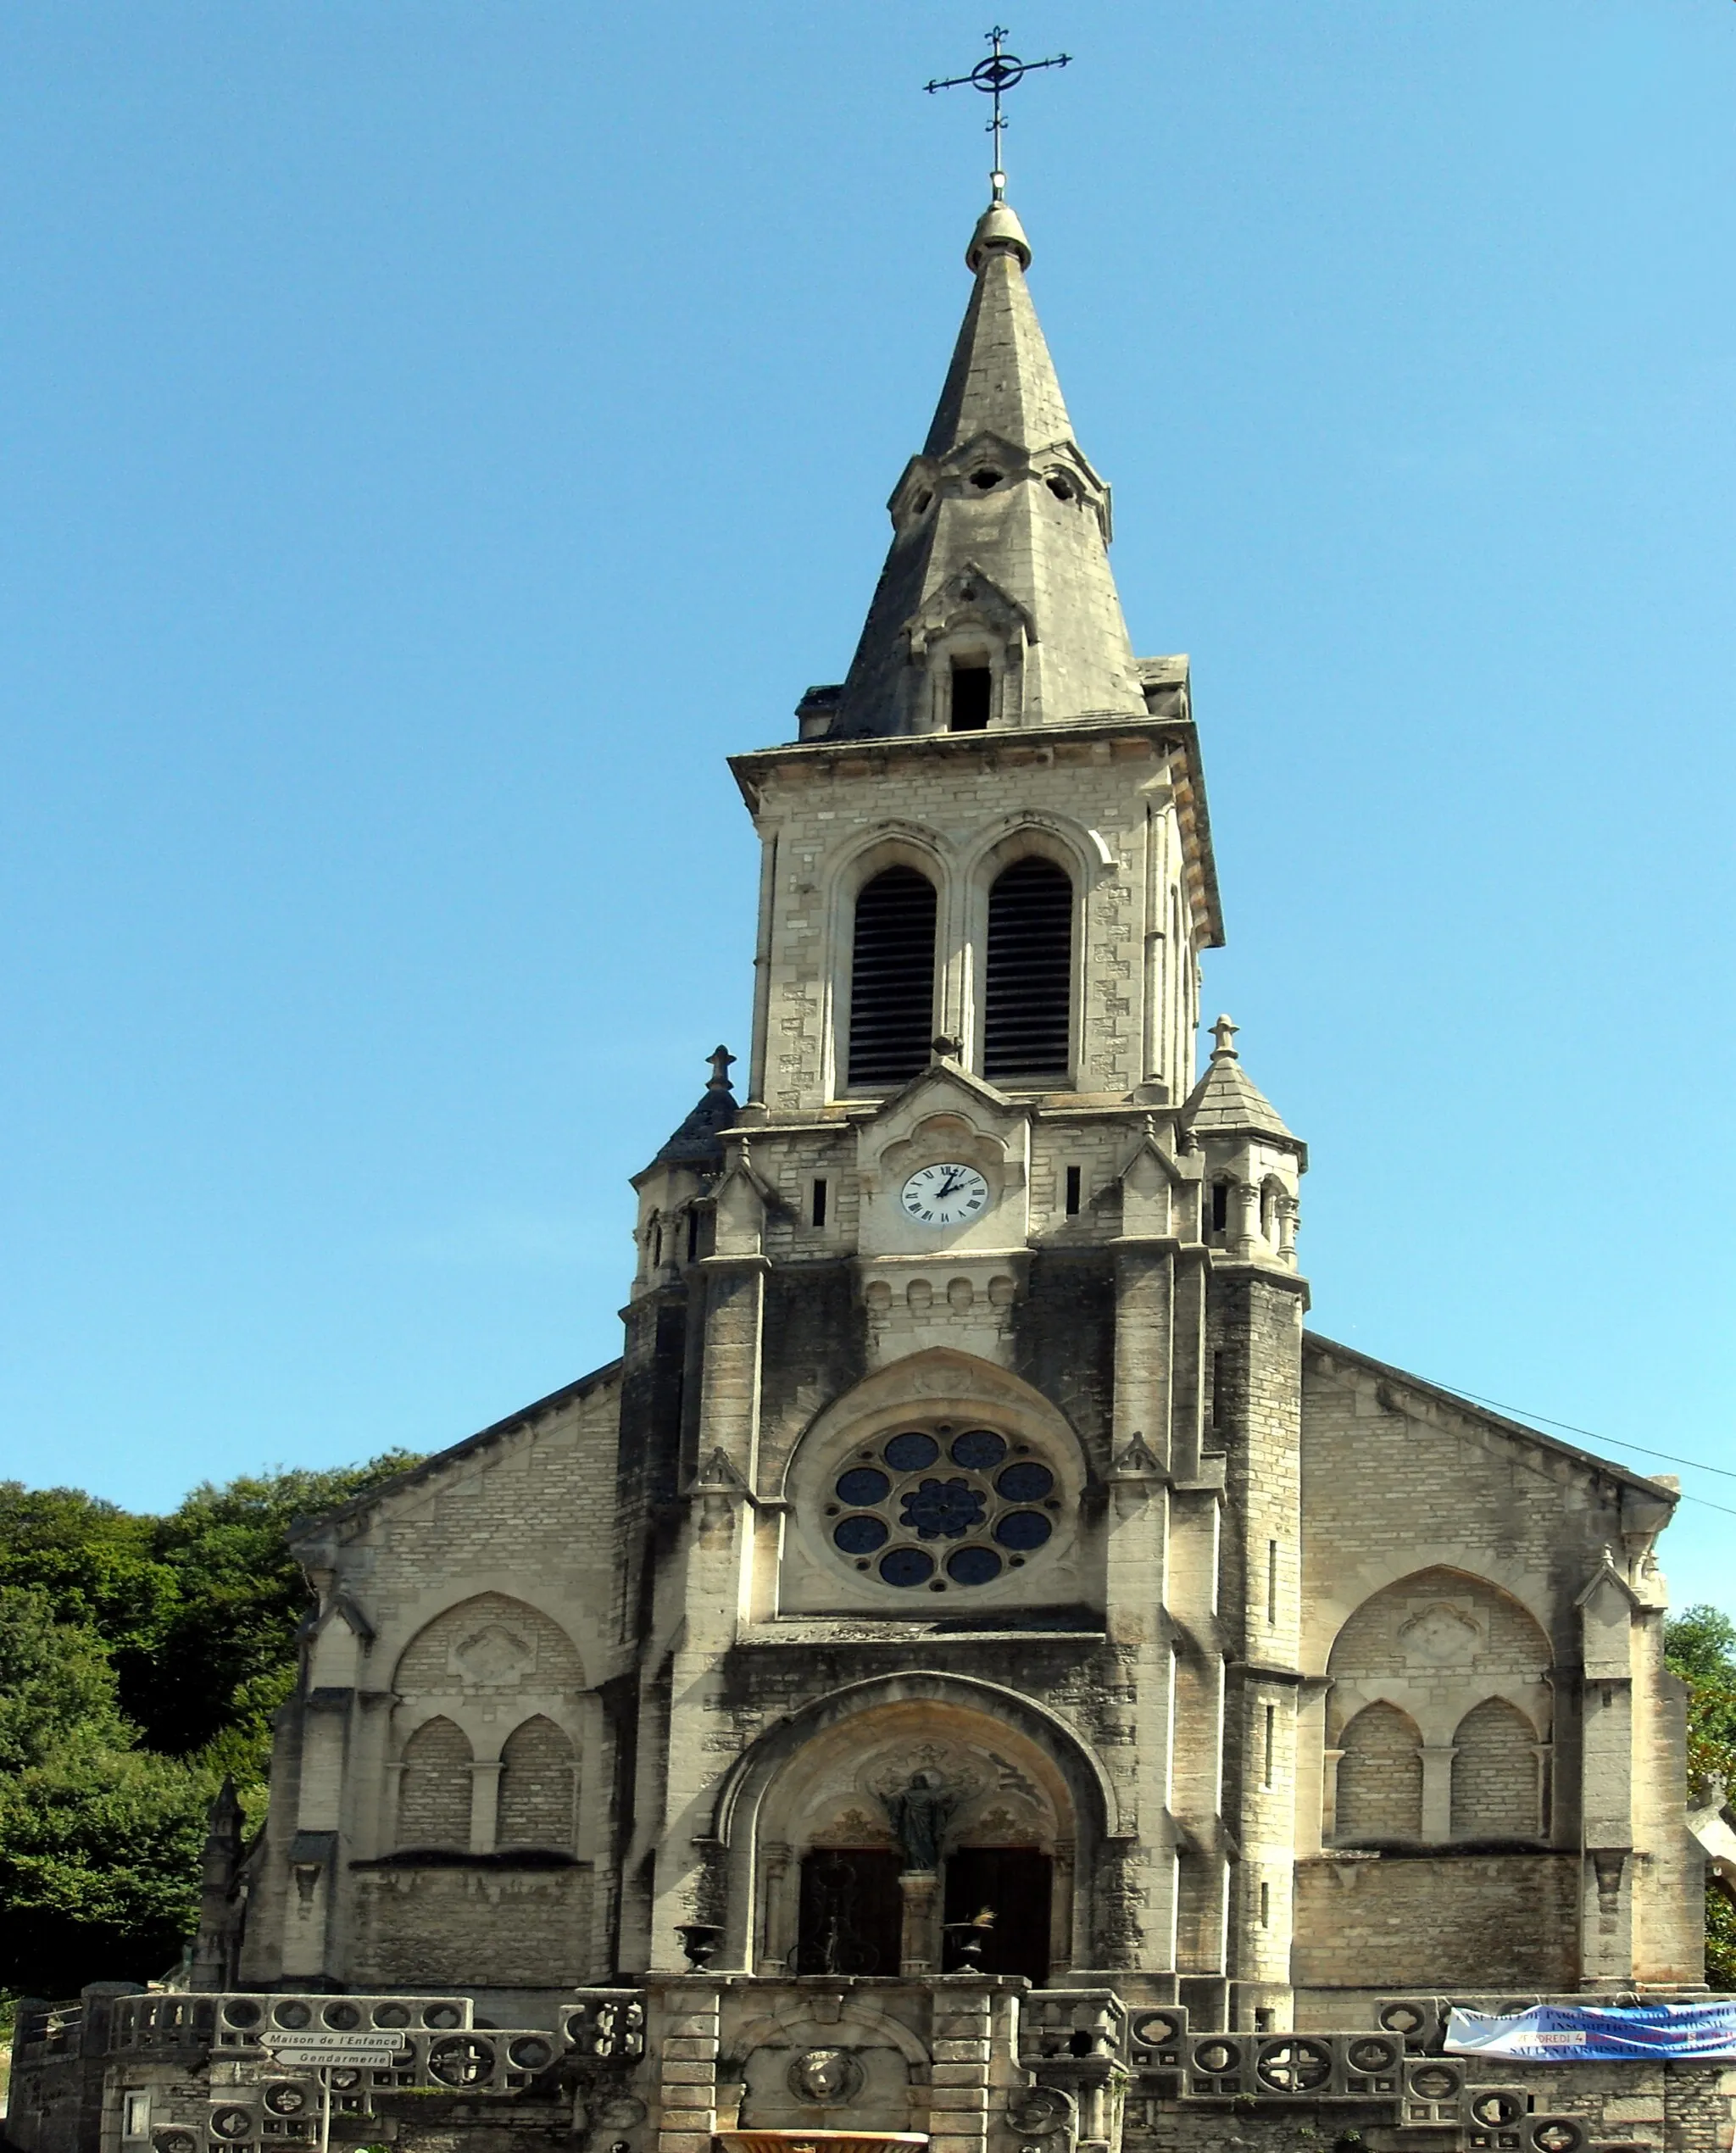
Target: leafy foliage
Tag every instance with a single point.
(1700, 1645)
(99, 1866)
(142, 1658)
(218, 1660)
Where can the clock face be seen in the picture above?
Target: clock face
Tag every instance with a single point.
(944, 1195)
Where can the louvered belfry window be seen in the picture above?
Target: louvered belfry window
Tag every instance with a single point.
(892, 978)
(1028, 992)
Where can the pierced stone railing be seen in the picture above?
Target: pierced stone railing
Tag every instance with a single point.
(606, 2022)
(1056, 2024)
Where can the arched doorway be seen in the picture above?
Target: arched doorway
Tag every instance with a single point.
(919, 1835)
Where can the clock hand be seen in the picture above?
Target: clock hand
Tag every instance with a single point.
(947, 1187)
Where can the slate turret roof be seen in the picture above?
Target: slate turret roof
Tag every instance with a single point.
(1227, 1099)
(695, 1143)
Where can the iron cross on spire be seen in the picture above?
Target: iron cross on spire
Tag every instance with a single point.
(995, 76)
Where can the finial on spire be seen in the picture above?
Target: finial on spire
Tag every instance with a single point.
(995, 76)
(1223, 1031)
(720, 1057)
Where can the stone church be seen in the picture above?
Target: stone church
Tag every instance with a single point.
(975, 1641)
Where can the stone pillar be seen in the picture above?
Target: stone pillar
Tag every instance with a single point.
(716, 1565)
(1136, 1740)
(957, 2113)
(1243, 1235)
(485, 1803)
(1438, 1791)
(919, 1952)
(1606, 1609)
(1329, 1796)
(686, 2069)
(1257, 1342)
(777, 1936)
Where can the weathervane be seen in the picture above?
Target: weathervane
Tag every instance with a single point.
(995, 75)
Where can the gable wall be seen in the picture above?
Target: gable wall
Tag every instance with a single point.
(1395, 1485)
(516, 1542)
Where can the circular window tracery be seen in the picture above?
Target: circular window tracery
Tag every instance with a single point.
(940, 1507)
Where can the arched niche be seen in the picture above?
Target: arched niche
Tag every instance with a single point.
(1436, 1644)
(1434, 1647)
(1496, 1774)
(1380, 1779)
(487, 1665)
(537, 1800)
(1004, 1775)
(489, 1644)
(434, 1788)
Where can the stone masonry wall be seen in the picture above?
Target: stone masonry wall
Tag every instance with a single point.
(1394, 1923)
(460, 1928)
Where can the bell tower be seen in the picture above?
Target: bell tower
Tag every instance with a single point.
(965, 1353)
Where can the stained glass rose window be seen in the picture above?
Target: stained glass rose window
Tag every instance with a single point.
(941, 1507)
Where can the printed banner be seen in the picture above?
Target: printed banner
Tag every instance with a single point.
(1591, 2033)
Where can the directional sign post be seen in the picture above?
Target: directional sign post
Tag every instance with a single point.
(330, 2052)
(337, 2049)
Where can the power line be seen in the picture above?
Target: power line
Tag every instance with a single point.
(1614, 1441)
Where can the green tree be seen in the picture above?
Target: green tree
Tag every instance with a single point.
(98, 1840)
(141, 1658)
(226, 1649)
(56, 1684)
(94, 1562)
(99, 1866)
(1701, 1645)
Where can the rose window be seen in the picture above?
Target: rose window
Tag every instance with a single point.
(941, 1507)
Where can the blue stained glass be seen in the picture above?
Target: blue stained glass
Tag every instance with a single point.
(910, 1452)
(1023, 1529)
(863, 1484)
(1025, 1483)
(943, 1509)
(907, 1566)
(979, 1448)
(860, 1535)
(972, 1565)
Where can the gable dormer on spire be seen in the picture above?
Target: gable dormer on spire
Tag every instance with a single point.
(996, 607)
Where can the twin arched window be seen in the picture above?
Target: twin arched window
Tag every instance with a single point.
(535, 1788)
(1027, 975)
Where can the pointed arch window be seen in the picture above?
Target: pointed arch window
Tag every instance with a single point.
(1028, 989)
(892, 978)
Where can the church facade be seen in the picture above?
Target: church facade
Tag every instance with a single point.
(968, 1432)
(977, 1641)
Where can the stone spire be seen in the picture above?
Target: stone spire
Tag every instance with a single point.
(999, 568)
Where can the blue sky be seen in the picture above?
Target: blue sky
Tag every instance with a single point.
(435, 435)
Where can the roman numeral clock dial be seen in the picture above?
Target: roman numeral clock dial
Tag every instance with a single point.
(949, 1195)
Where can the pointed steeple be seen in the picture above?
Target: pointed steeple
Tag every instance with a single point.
(996, 606)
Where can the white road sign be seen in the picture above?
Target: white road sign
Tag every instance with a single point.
(337, 2048)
